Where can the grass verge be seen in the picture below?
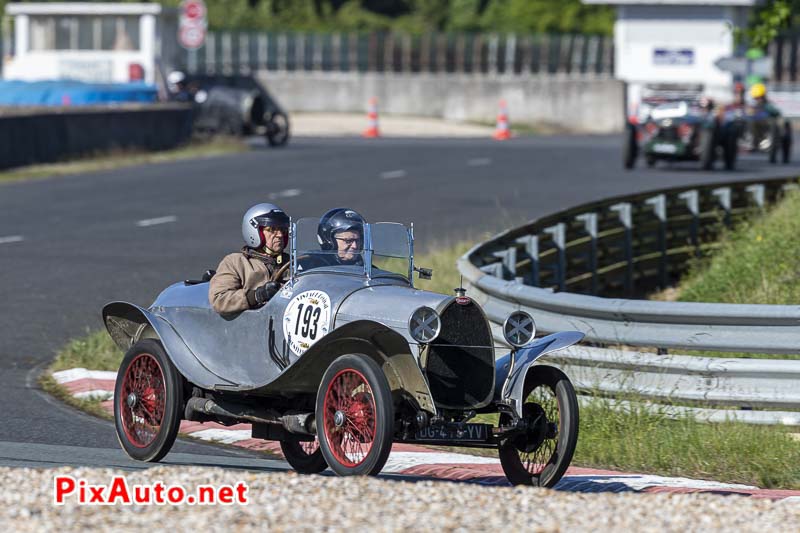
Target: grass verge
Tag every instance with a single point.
(755, 263)
(124, 158)
(633, 440)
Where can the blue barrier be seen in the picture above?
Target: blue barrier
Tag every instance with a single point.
(60, 93)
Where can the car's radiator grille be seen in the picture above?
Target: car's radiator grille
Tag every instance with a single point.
(668, 134)
(460, 365)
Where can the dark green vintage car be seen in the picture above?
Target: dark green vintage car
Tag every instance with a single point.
(683, 131)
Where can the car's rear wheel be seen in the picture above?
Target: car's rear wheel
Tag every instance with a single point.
(708, 148)
(786, 145)
(278, 129)
(304, 456)
(541, 455)
(775, 141)
(355, 416)
(730, 148)
(148, 402)
(630, 148)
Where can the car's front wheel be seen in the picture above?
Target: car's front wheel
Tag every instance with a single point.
(148, 402)
(278, 129)
(540, 456)
(355, 416)
(305, 457)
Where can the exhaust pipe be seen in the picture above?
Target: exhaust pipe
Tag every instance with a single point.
(202, 409)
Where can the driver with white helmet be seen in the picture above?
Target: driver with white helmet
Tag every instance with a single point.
(244, 279)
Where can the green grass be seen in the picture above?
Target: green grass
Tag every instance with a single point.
(633, 440)
(95, 351)
(124, 158)
(756, 263)
(644, 442)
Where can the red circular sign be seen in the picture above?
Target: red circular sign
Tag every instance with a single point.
(192, 36)
(194, 10)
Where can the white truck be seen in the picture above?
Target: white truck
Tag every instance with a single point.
(92, 42)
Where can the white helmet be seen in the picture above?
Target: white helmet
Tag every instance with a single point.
(175, 77)
(257, 217)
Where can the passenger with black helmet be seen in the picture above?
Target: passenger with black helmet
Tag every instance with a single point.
(244, 279)
(342, 230)
(340, 234)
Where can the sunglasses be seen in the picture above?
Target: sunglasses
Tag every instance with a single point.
(275, 229)
(349, 242)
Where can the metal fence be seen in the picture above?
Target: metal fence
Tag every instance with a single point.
(784, 53)
(494, 54)
(558, 267)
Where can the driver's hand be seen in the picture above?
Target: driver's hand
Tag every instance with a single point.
(263, 294)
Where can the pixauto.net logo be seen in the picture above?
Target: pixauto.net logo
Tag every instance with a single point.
(120, 492)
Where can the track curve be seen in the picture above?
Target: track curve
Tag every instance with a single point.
(68, 245)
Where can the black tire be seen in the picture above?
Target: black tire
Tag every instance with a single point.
(354, 403)
(547, 390)
(708, 148)
(630, 148)
(296, 454)
(786, 144)
(650, 160)
(278, 129)
(730, 148)
(148, 389)
(775, 134)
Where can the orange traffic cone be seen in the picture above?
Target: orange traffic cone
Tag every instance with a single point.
(372, 130)
(501, 131)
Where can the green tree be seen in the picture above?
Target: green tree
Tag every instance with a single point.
(770, 19)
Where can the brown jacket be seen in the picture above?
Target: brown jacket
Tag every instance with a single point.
(238, 274)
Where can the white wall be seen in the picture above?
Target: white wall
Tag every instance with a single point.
(577, 103)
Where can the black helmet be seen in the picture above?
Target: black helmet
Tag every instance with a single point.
(335, 221)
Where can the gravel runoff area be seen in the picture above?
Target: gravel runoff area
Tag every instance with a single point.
(349, 124)
(292, 502)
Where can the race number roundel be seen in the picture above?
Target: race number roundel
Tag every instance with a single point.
(306, 320)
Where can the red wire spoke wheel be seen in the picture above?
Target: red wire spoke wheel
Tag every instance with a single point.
(142, 399)
(540, 456)
(304, 456)
(355, 416)
(148, 402)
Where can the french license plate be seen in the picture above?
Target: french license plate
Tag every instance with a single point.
(470, 432)
(665, 148)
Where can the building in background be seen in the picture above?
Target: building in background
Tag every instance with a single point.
(669, 47)
(92, 42)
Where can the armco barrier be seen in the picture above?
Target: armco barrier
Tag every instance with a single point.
(50, 135)
(654, 239)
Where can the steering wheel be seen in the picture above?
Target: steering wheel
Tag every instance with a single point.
(278, 274)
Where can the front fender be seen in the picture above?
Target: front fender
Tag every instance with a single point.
(512, 369)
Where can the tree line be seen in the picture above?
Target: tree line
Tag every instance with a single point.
(407, 16)
(769, 18)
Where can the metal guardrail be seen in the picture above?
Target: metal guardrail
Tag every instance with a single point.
(648, 246)
(481, 54)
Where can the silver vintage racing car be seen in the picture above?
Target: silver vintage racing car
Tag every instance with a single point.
(341, 363)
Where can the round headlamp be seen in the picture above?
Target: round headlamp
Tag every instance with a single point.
(424, 324)
(519, 329)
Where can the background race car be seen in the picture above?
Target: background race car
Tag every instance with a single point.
(762, 129)
(233, 105)
(682, 131)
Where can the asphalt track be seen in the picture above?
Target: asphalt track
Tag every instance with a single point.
(69, 245)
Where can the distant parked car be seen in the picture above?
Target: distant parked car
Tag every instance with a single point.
(232, 105)
(683, 131)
